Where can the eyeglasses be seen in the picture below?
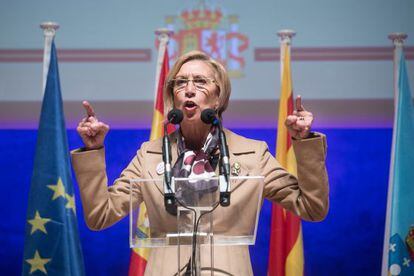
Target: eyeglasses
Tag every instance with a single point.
(198, 82)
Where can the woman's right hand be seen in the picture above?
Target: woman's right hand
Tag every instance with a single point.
(91, 130)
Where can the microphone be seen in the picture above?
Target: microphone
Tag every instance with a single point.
(175, 116)
(208, 116)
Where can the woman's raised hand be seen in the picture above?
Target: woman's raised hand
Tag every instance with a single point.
(91, 130)
(300, 122)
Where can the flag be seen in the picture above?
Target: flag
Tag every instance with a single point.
(398, 254)
(52, 245)
(139, 256)
(157, 127)
(286, 245)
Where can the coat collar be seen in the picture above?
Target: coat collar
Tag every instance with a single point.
(238, 146)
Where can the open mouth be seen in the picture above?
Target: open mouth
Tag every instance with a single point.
(190, 105)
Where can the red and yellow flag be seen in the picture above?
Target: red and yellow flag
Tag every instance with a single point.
(286, 244)
(157, 128)
(139, 256)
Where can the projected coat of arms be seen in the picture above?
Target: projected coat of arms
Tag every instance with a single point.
(209, 30)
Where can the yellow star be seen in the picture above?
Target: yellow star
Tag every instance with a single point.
(71, 202)
(38, 223)
(59, 189)
(37, 263)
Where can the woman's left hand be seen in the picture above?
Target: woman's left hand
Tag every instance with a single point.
(300, 122)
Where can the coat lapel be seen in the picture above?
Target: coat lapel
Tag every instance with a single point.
(155, 151)
(239, 152)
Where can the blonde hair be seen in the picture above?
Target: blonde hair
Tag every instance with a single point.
(220, 76)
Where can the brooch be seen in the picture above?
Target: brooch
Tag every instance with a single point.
(160, 168)
(235, 169)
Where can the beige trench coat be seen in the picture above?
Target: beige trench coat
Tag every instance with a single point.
(306, 196)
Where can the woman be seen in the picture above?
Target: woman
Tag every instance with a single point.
(197, 82)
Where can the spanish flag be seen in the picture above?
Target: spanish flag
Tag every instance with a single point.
(139, 256)
(286, 245)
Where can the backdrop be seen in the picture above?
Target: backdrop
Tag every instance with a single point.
(341, 56)
(347, 242)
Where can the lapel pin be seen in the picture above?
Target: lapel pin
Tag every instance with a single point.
(160, 168)
(235, 169)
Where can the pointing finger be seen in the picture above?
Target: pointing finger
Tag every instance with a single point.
(298, 103)
(89, 109)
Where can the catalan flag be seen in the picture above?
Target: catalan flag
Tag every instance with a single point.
(52, 245)
(286, 245)
(398, 255)
(139, 256)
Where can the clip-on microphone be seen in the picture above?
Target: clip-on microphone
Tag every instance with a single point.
(175, 116)
(208, 116)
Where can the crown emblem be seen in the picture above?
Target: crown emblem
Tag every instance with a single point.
(201, 18)
(211, 31)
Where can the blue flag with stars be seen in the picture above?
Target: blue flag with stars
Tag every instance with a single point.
(399, 239)
(52, 245)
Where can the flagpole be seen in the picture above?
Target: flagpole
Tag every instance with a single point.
(164, 35)
(49, 31)
(139, 256)
(285, 39)
(398, 43)
(286, 244)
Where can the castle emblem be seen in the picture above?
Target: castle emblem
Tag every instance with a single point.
(209, 30)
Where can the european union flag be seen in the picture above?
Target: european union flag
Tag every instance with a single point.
(399, 239)
(52, 243)
(400, 262)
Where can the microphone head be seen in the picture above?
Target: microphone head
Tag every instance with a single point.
(208, 116)
(175, 116)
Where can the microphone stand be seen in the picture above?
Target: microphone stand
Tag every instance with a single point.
(169, 194)
(175, 116)
(208, 116)
(224, 169)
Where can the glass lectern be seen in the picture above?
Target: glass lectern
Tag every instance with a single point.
(197, 223)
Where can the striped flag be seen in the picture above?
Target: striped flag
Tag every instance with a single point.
(139, 256)
(398, 254)
(286, 245)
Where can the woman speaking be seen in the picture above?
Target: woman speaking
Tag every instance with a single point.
(195, 83)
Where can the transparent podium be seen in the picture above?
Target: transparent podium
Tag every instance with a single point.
(196, 223)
